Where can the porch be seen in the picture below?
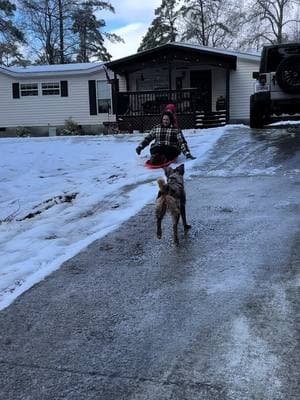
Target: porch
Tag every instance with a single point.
(141, 110)
(196, 80)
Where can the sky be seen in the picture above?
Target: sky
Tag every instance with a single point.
(107, 180)
(131, 21)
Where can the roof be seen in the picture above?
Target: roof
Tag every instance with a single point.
(196, 53)
(250, 55)
(56, 69)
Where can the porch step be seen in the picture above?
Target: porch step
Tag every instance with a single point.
(210, 119)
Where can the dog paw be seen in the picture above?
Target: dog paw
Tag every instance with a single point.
(187, 227)
(158, 236)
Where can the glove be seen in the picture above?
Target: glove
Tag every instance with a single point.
(138, 150)
(190, 157)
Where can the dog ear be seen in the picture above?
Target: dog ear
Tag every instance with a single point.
(180, 169)
(168, 171)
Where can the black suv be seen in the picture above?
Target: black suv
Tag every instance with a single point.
(277, 87)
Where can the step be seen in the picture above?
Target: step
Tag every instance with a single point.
(212, 121)
(210, 126)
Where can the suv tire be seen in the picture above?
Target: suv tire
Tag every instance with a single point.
(288, 74)
(258, 111)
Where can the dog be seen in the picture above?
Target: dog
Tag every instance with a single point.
(171, 197)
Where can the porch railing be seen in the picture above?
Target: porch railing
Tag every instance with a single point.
(153, 102)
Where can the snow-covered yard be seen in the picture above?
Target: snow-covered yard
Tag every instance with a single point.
(59, 194)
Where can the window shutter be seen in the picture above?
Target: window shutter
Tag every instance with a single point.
(92, 98)
(115, 91)
(64, 89)
(16, 90)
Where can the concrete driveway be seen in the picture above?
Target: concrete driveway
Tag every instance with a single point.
(217, 318)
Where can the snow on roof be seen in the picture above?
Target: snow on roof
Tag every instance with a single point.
(250, 55)
(76, 68)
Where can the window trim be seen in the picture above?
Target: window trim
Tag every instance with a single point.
(104, 98)
(29, 89)
(57, 83)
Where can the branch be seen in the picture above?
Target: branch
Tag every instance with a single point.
(11, 216)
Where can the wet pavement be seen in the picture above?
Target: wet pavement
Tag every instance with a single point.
(135, 318)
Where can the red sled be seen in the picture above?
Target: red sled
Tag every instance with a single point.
(149, 165)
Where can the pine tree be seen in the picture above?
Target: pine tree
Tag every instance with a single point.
(10, 55)
(90, 31)
(10, 35)
(163, 28)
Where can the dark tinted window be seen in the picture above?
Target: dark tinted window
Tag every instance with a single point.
(272, 56)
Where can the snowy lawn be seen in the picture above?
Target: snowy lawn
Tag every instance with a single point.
(59, 194)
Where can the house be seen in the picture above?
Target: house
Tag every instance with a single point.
(43, 97)
(209, 86)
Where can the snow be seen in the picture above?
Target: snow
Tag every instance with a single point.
(105, 180)
(54, 68)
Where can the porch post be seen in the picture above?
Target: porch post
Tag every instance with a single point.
(127, 81)
(227, 95)
(115, 95)
(170, 74)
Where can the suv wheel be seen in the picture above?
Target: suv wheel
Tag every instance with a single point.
(288, 74)
(257, 116)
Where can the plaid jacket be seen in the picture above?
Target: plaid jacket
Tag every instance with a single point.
(166, 136)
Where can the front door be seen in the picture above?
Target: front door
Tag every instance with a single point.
(201, 80)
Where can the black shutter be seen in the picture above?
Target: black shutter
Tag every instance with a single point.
(92, 97)
(16, 90)
(115, 91)
(64, 88)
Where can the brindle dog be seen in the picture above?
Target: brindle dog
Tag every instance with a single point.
(172, 197)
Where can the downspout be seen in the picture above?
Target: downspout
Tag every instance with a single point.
(227, 95)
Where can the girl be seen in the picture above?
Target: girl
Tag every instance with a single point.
(168, 143)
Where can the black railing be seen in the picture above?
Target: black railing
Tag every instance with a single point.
(153, 102)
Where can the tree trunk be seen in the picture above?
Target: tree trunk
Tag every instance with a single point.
(61, 33)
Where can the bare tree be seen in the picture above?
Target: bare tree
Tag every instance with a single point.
(212, 22)
(40, 20)
(59, 29)
(271, 22)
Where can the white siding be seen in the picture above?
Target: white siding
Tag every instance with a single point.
(49, 110)
(241, 87)
(122, 83)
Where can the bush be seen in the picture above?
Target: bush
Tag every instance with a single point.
(71, 128)
(22, 131)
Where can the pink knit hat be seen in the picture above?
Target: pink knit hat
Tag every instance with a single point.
(172, 109)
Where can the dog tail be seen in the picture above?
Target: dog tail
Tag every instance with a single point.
(163, 187)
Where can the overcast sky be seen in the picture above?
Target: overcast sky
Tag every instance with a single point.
(131, 21)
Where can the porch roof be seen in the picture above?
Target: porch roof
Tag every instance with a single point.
(172, 52)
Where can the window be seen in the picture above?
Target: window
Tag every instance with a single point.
(104, 97)
(50, 88)
(29, 89)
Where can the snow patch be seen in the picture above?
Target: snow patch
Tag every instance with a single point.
(38, 174)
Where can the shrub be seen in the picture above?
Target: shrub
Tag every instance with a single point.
(71, 128)
(22, 131)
